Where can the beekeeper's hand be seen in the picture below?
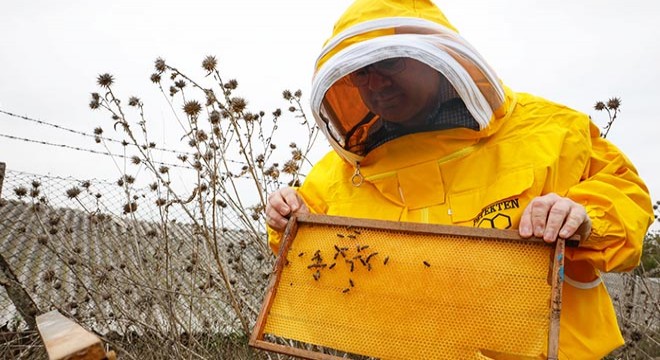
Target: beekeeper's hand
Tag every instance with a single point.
(552, 216)
(281, 205)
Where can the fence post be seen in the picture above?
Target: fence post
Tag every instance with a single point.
(21, 299)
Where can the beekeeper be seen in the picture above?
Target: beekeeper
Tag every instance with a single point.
(424, 131)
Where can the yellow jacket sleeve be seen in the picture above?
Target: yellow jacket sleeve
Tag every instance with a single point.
(619, 205)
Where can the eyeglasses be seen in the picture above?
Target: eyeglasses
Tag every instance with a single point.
(387, 67)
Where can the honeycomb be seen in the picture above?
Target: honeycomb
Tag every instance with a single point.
(399, 294)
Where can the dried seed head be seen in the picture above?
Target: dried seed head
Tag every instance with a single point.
(180, 84)
(160, 65)
(238, 104)
(163, 169)
(153, 186)
(599, 106)
(292, 108)
(20, 191)
(298, 93)
(173, 90)
(286, 94)
(296, 155)
(209, 63)
(35, 184)
(155, 78)
(249, 117)
(160, 202)
(94, 104)
(73, 192)
(105, 80)
(129, 179)
(201, 135)
(182, 157)
(210, 97)
(98, 131)
(277, 112)
(49, 275)
(231, 84)
(34, 192)
(134, 101)
(135, 160)
(214, 117)
(192, 108)
(120, 182)
(613, 103)
(130, 207)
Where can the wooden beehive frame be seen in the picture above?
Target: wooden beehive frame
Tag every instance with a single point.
(257, 337)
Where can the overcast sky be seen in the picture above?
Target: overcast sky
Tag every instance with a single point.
(572, 52)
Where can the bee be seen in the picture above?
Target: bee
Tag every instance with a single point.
(335, 257)
(364, 247)
(351, 236)
(337, 248)
(317, 275)
(346, 290)
(349, 227)
(351, 282)
(317, 266)
(368, 267)
(364, 263)
(357, 232)
(352, 264)
(387, 258)
(301, 254)
(426, 263)
(371, 255)
(286, 262)
(332, 265)
(341, 236)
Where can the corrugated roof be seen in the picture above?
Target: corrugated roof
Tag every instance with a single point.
(109, 271)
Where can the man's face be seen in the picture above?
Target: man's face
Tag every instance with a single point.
(404, 92)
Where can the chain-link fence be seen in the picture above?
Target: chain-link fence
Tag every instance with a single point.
(74, 246)
(141, 271)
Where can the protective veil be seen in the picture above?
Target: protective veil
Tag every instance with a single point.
(524, 147)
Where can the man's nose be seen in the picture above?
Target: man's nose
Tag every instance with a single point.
(378, 81)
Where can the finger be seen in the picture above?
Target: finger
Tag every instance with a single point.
(540, 208)
(557, 217)
(525, 226)
(577, 221)
(274, 219)
(292, 201)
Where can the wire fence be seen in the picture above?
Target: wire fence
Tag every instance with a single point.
(120, 272)
(126, 273)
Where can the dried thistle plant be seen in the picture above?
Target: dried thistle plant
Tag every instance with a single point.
(612, 107)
